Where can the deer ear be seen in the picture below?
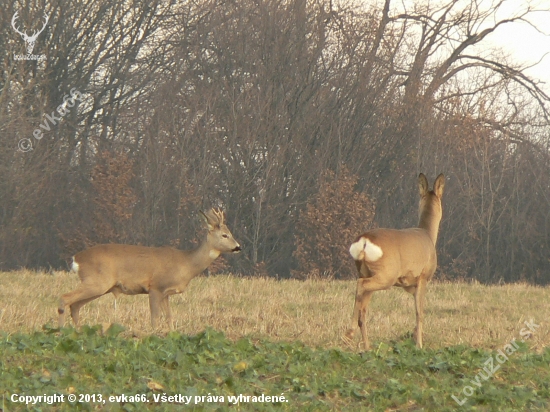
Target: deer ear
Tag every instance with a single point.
(206, 220)
(422, 184)
(439, 185)
(211, 220)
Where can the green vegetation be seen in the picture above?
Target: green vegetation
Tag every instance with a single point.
(392, 377)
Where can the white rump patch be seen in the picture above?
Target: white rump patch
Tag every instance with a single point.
(365, 249)
(75, 266)
(356, 249)
(372, 252)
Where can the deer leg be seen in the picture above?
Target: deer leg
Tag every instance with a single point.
(362, 321)
(359, 309)
(419, 294)
(75, 308)
(155, 304)
(365, 288)
(61, 312)
(76, 299)
(167, 311)
(350, 333)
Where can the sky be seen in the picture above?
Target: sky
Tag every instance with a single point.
(520, 40)
(523, 42)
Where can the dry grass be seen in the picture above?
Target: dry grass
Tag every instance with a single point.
(316, 312)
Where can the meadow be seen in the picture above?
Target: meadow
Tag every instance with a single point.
(257, 336)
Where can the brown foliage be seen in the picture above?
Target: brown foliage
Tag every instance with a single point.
(111, 206)
(331, 220)
(114, 197)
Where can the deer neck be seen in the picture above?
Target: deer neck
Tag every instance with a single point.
(429, 221)
(201, 257)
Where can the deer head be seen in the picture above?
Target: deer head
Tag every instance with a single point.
(30, 40)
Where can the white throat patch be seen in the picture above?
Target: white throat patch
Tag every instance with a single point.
(214, 254)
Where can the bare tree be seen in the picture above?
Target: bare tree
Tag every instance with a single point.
(246, 105)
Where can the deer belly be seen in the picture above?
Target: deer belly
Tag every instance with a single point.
(128, 288)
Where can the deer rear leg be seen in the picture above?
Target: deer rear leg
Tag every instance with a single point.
(75, 308)
(76, 299)
(350, 333)
(365, 288)
(362, 319)
(359, 312)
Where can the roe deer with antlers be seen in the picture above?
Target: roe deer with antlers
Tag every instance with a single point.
(157, 271)
(405, 258)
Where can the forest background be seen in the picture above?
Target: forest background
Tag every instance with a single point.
(307, 121)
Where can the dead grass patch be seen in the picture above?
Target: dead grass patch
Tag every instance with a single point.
(316, 312)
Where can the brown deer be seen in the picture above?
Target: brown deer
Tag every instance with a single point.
(157, 271)
(405, 258)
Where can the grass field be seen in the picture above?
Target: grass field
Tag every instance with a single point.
(262, 336)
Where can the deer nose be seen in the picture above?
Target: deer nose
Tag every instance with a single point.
(237, 249)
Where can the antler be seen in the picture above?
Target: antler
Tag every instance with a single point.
(36, 33)
(214, 217)
(15, 16)
(219, 214)
(46, 19)
(24, 34)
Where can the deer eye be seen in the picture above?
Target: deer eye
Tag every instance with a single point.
(225, 235)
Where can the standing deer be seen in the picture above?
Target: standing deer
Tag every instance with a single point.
(405, 258)
(157, 271)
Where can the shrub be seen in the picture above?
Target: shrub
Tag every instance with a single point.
(332, 219)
